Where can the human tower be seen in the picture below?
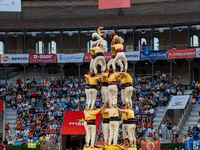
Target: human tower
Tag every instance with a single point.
(109, 78)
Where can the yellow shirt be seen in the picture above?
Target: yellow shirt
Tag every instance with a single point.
(118, 46)
(91, 115)
(129, 113)
(113, 77)
(113, 51)
(97, 49)
(124, 117)
(113, 112)
(122, 80)
(198, 85)
(93, 80)
(113, 39)
(128, 78)
(104, 78)
(111, 147)
(87, 80)
(105, 114)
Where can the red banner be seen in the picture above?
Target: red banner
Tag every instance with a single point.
(109, 4)
(181, 53)
(150, 145)
(73, 123)
(88, 56)
(42, 58)
(1, 106)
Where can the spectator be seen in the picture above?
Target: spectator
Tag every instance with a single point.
(173, 45)
(43, 140)
(176, 130)
(169, 129)
(185, 138)
(163, 128)
(7, 127)
(30, 138)
(2, 146)
(174, 139)
(154, 136)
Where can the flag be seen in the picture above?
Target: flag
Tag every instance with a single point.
(31, 145)
(150, 145)
(110, 4)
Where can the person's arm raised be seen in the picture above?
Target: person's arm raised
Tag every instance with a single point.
(120, 110)
(121, 147)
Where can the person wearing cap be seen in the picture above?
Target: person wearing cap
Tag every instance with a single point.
(90, 116)
(131, 123)
(114, 125)
(112, 87)
(105, 125)
(104, 88)
(118, 47)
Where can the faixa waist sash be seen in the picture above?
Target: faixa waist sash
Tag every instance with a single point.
(131, 121)
(112, 83)
(105, 84)
(114, 119)
(91, 122)
(128, 84)
(93, 86)
(125, 121)
(99, 54)
(87, 86)
(93, 56)
(123, 86)
(120, 50)
(105, 120)
(113, 56)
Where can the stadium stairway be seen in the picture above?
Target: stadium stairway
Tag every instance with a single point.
(159, 114)
(10, 116)
(191, 120)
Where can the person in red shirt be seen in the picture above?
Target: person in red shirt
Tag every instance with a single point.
(2, 146)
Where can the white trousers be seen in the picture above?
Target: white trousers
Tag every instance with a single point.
(120, 55)
(113, 126)
(169, 133)
(112, 93)
(124, 130)
(92, 97)
(128, 94)
(123, 96)
(104, 93)
(131, 133)
(91, 131)
(92, 64)
(87, 95)
(85, 126)
(105, 128)
(118, 62)
(96, 62)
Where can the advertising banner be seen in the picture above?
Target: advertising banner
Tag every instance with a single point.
(150, 145)
(197, 52)
(88, 56)
(132, 56)
(109, 4)
(73, 123)
(181, 53)
(153, 55)
(14, 58)
(10, 5)
(70, 58)
(43, 58)
(189, 145)
(178, 102)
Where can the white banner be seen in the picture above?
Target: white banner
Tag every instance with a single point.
(198, 52)
(14, 58)
(178, 102)
(10, 5)
(132, 56)
(70, 58)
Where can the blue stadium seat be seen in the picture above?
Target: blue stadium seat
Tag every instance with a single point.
(198, 100)
(28, 124)
(25, 139)
(35, 139)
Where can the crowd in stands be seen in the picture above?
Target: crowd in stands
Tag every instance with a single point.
(40, 111)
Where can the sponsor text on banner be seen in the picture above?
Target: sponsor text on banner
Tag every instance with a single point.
(42, 58)
(181, 53)
(109, 4)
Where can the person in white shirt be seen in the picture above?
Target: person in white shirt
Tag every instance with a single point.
(26, 131)
(76, 84)
(151, 110)
(76, 100)
(160, 139)
(176, 130)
